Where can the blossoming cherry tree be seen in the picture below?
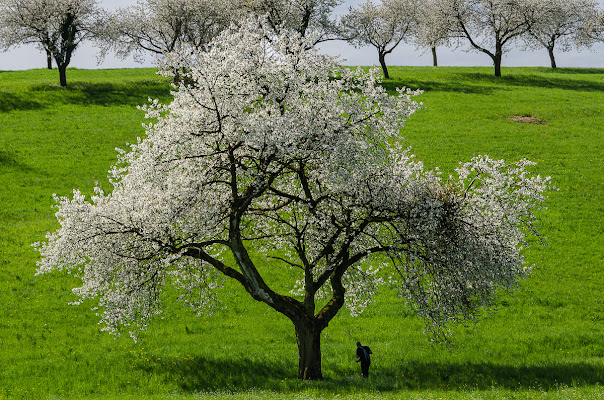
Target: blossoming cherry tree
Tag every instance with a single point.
(273, 151)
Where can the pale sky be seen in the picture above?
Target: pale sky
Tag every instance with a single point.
(27, 57)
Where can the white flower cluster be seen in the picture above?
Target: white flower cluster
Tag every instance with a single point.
(471, 231)
(270, 146)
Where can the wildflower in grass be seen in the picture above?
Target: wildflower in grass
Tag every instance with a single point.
(271, 148)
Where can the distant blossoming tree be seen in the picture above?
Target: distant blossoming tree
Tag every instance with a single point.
(382, 26)
(56, 26)
(304, 17)
(433, 30)
(490, 26)
(163, 26)
(277, 152)
(557, 24)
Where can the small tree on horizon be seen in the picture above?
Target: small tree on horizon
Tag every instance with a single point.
(56, 26)
(277, 152)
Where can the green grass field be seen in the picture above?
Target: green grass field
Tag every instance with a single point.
(546, 341)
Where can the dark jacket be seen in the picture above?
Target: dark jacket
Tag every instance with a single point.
(363, 353)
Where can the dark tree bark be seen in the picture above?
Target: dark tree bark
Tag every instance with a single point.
(308, 337)
(501, 38)
(497, 58)
(497, 64)
(62, 75)
(308, 322)
(434, 58)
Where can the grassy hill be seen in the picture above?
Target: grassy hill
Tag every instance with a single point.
(545, 341)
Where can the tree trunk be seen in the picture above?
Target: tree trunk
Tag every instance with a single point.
(48, 60)
(434, 59)
(382, 57)
(309, 351)
(552, 59)
(497, 67)
(62, 75)
(497, 59)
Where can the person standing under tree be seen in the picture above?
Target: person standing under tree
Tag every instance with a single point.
(363, 356)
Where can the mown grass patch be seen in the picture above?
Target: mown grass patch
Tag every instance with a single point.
(546, 341)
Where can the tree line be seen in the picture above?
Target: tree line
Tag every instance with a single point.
(490, 27)
(161, 26)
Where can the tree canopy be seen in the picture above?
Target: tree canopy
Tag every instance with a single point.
(270, 150)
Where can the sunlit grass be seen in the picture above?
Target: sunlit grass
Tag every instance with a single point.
(544, 342)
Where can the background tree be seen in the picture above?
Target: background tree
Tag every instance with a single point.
(56, 26)
(305, 17)
(434, 29)
(488, 25)
(557, 24)
(279, 153)
(382, 26)
(162, 26)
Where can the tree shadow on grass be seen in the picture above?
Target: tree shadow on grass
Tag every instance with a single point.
(573, 71)
(532, 80)
(438, 86)
(11, 102)
(198, 374)
(483, 376)
(195, 374)
(9, 160)
(109, 93)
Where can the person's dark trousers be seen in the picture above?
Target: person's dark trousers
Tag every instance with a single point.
(365, 369)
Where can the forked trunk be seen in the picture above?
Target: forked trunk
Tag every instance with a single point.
(309, 351)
